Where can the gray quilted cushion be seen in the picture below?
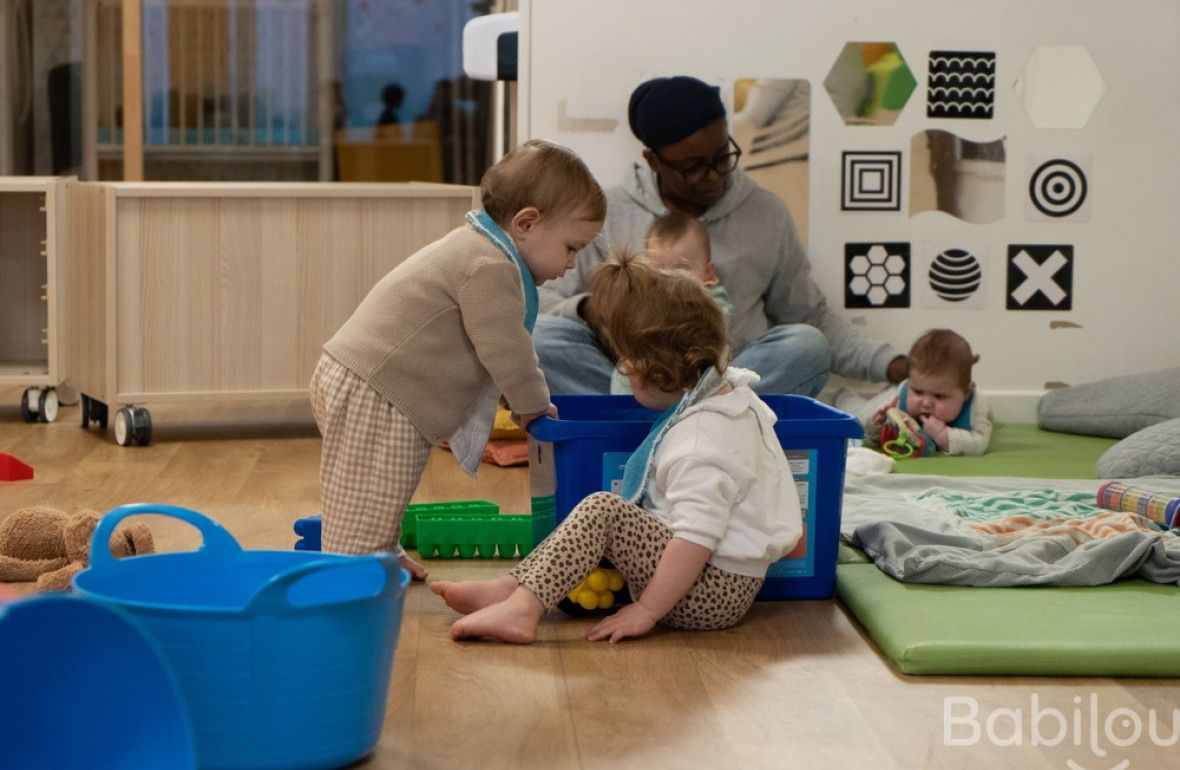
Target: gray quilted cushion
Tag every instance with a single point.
(1150, 452)
(1116, 407)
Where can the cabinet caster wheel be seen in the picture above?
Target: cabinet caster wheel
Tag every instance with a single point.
(93, 410)
(39, 405)
(133, 425)
(47, 405)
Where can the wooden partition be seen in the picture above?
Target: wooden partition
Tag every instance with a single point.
(190, 291)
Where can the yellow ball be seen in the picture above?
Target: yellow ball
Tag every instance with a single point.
(605, 600)
(615, 580)
(588, 600)
(597, 580)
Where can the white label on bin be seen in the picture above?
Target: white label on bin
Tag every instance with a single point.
(800, 563)
(613, 464)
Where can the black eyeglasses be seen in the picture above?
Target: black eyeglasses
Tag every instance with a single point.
(697, 170)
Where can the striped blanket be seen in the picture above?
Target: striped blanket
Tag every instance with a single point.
(1003, 532)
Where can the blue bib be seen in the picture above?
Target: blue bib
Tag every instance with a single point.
(482, 221)
(638, 467)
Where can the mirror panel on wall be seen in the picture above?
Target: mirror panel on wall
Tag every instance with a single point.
(771, 123)
(869, 83)
(956, 176)
(1060, 86)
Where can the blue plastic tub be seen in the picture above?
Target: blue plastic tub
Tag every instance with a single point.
(85, 686)
(585, 450)
(283, 657)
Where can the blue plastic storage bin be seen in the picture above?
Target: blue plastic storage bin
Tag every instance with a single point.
(85, 686)
(283, 657)
(584, 452)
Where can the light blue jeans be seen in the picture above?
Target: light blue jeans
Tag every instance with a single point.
(793, 358)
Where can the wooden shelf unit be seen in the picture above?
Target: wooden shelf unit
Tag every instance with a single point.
(192, 291)
(32, 240)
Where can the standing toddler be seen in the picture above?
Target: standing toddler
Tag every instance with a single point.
(440, 339)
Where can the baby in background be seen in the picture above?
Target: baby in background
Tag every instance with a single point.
(676, 241)
(947, 413)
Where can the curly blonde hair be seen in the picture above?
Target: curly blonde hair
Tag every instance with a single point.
(663, 323)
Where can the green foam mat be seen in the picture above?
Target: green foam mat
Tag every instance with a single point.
(1020, 450)
(1130, 628)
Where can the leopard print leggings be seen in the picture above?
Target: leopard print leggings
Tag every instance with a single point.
(605, 525)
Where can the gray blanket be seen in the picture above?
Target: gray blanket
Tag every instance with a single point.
(1004, 531)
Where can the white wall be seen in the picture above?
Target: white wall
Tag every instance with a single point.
(580, 59)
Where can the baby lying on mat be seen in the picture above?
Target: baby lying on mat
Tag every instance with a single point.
(937, 409)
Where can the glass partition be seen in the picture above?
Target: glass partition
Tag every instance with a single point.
(355, 90)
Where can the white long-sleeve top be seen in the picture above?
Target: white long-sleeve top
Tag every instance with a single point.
(721, 480)
(972, 441)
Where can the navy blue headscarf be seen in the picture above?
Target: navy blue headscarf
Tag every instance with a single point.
(662, 111)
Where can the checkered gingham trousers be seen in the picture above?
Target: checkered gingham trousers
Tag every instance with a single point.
(370, 464)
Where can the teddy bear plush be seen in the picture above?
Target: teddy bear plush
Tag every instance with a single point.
(48, 546)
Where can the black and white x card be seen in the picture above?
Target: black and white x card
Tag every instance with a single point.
(1040, 277)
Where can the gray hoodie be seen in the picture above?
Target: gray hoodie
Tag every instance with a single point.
(758, 257)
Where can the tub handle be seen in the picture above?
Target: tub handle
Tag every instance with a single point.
(274, 596)
(544, 428)
(216, 539)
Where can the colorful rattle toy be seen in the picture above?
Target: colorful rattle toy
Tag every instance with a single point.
(902, 437)
(1162, 509)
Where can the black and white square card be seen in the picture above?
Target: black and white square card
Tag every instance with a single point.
(871, 181)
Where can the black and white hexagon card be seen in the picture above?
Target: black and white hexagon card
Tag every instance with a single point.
(876, 275)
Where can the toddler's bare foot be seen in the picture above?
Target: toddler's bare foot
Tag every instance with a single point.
(513, 620)
(416, 570)
(467, 596)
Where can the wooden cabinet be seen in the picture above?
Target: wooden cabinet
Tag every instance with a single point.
(32, 240)
(186, 291)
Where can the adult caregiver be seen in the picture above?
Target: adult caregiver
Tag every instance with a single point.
(781, 326)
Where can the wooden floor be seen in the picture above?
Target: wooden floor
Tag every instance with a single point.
(795, 685)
